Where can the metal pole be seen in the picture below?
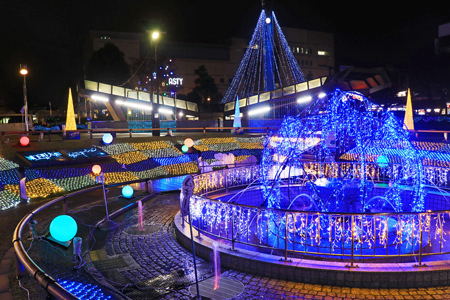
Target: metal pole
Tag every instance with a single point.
(20, 268)
(25, 100)
(193, 254)
(155, 113)
(232, 229)
(107, 224)
(420, 243)
(353, 244)
(104, 195)
(286, 238)
(65, 207)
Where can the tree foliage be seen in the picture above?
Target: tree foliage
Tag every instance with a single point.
(108, 65)
(205, 86)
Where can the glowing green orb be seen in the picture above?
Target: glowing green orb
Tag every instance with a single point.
(63, 228)
(184, 148)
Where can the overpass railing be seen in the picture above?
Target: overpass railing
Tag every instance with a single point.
(205, 130)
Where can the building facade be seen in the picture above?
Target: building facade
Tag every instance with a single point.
(177, 62)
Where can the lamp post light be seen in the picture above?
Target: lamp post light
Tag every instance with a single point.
(100, 176)
(24, 72)
(155, 114)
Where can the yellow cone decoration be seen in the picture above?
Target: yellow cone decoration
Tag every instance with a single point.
(409, 120)
(70, 119)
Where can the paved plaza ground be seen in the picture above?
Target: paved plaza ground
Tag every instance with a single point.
(145, 265)
(150, 261)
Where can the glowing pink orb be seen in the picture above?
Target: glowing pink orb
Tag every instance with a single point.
(189, 142)
(24, 141)
(96, 169)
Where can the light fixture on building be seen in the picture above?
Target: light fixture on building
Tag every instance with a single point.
(100, 98)
(304, 99)
(259, 110)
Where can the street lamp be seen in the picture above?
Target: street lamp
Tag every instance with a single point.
(24, 72)
(155, 114)
(108, 224)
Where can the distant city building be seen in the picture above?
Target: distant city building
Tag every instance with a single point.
(313, 50)
(442, 42)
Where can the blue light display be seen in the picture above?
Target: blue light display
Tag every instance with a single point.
(268, 62)
(337, 124)
(84, 291)
(85, 153)
(42, 156)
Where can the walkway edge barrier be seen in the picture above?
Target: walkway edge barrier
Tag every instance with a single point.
(24, 263)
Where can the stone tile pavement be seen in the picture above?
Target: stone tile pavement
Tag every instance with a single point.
(158, 254)
(5, 264)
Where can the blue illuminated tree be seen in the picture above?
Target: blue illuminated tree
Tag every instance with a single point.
(268, 62)
(340, 124)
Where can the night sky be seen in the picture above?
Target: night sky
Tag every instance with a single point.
(48, 35)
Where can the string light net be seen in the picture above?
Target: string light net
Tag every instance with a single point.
(268, 62)
(332, 127)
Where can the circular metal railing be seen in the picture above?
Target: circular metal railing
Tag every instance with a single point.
(23, 261)
(326, 234)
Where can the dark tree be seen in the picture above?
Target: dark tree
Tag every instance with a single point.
(194, 97)
(108, 65)
(430, 77)
(206, 87)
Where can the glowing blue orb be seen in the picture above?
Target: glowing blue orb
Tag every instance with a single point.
(63, 228)
(382, 161)
(127, 191)
(107, 138)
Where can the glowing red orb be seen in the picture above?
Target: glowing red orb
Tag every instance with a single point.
(24, 141)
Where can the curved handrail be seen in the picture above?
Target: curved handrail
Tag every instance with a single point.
(409, 227)
(46, 281)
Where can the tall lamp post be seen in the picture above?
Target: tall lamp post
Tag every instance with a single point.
(24, 72)
(108, 224)
(155, 114)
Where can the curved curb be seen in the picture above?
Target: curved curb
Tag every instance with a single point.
(367, 275)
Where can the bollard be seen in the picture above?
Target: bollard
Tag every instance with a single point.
(20, 268)
(353, 244)
(420, 244)
(65, 207)
(232, 230)
(286, 239)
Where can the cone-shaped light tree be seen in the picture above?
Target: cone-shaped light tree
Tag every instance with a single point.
(409, 120)
(70, 119)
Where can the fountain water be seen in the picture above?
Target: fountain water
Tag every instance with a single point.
(140, 217)
(216, 257)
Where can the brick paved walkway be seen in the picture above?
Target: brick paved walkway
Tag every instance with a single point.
(159, 254)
